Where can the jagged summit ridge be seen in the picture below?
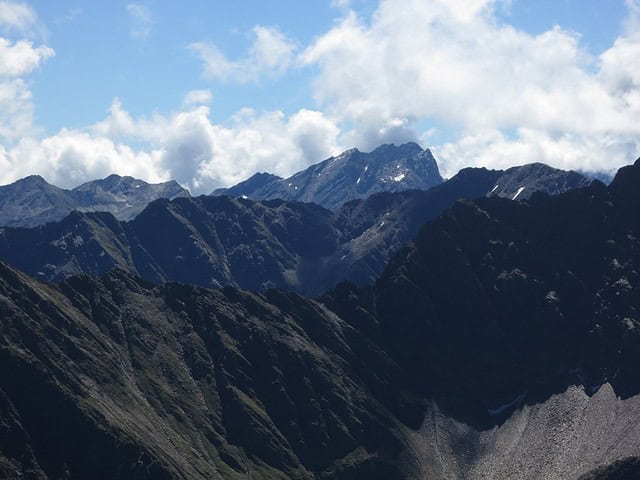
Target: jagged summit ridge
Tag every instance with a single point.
(32, 201)
(248, 186)
(351, 175)
(519, 183)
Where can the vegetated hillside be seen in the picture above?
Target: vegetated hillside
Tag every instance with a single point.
(214, 241)
(32, 201)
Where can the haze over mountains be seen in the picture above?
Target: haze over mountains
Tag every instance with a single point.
(501, 342)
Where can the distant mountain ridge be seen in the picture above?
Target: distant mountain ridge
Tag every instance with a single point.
(519, 183)
(355, 175)
(249, 186)
(349, 176)
(215, 241)
(32, 201)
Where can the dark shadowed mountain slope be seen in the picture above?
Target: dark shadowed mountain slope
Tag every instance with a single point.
(32, 201)
(521, 320)
(376, 227)
(119, 379)
(210, 241)
(350, 175)
(496, 298)
(213, 241)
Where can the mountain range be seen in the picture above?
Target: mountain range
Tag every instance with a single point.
(349, 176)
(390, 168)
(32, 201)
(217, 241)
(501, 342)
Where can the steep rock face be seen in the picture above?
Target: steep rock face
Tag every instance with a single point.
(118, 379)
(349, 176)
(32, 201)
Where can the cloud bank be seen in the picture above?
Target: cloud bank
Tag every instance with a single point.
(512, 97)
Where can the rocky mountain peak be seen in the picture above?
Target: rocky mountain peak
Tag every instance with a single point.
(248, 186)
(409, 148)
(351, 175)
(628, 175)
(519, 183)
(32, 180)
(32, 201)
(625, 186)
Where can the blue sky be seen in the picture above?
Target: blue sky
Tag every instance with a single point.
(98, 57)
(209, 92)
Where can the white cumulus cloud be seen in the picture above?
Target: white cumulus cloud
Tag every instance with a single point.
(70, 158)
(197, 97)
(456, 65)
(17, 60)
(21, 58)
(271, 53)
(186, 146)
(488, 93)
(17, 16)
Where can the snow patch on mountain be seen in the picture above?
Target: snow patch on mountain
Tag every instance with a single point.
(520, 190)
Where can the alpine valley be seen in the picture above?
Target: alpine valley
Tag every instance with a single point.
(486, 326)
